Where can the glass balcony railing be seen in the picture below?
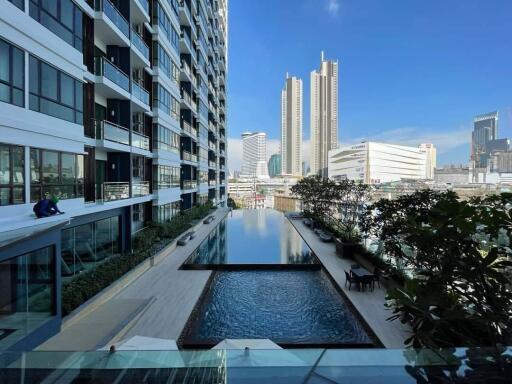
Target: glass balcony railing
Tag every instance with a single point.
(140, 93)
(145, 5)
(116, 191)
(105, 68)
(212, 146)
(105, 130)
(189, 184)
(186, 38)
(187, 156)
(140, 44)
(186, 97)
(114, 15)
(185, 125)
(212, 183)
(185, 67)
(140, 141)
(140, 188)
(212, 164)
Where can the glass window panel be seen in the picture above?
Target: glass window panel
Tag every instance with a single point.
(114, 224)
(66, 192)
(50, 6)
(18, 195)
(40, 281)
(5, 165)
(18, 97)
(18, 67)
(50, 167)
(68, 168)
(79, 96)
(18, 162)
(48, 81)
(78, 22)
(103, 239)
(35, 165)
(34, 103)
(5, 93)
(35, 193)
(5, 195)
(67, 13)
(67, 90)
(34, 74)
(84, 244)
(4, 61)
(69, 265)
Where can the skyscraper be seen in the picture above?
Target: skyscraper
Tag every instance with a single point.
(291, 127)
(274, 165)
(430, 160)
(254, 154)
(323, 114)
(485, 130)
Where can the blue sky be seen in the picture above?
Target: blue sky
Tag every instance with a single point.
(411, 71)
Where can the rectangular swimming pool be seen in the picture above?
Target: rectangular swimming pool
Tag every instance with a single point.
(252, 237)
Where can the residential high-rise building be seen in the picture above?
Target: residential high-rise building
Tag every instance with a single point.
(431, 159)
(291, 127)
(274, 165)
(323, 114)
(485, 130)
(376, 163)
(254, 154)
(119, 109)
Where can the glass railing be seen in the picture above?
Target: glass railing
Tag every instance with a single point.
(115, 16)
(212, 164)
(186, 96)
(140, 44)
(116, 191)
(187, 156)
(140, 188)
(189, 184)
(105, 130)
(212, 182)
(186, 38)
(185, 67)
(140, 93)
(185, 125)
(140, 141)
(212, 146)
(105, 68)
(145, 5)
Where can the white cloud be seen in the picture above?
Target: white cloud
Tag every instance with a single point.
(444, 140)
(333, 7)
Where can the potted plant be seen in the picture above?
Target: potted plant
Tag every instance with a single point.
(348, 244)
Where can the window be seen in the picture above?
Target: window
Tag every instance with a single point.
(164, 213)
(161, 59)
(12, 74)
(161, 98)
(175, 108)
(165, 139)
(166, 177)
(175, 75)
(55, 93)
(62, 17)
(19, 3)
(55, 173)
(203, 110)
(12, 177)
(175, 6)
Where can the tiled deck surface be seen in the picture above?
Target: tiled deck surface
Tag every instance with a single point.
(170, 295)
(369, 304)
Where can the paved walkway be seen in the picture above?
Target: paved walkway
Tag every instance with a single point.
(369, 304)
(157, 304)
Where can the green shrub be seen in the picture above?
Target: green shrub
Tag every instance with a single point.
(147, 243)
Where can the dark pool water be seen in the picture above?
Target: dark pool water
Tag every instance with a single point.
(284, 306)
(256, 236)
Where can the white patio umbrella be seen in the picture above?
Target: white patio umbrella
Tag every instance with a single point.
(247, 343)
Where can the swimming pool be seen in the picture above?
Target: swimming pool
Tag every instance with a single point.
(288, 307)
(252, 237)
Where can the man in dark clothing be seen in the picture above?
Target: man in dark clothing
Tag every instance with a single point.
(47, 207)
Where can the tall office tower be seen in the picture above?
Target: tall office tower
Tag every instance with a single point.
(431, 159)
(485, 130)
(254, 154)
(119, 109)
(323, 114)
(274, 165)
(291, 127)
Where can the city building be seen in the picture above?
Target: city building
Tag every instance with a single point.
(430, 152)
(323, 114)
(274, 165)
(376, 163)
(291, 127)
(254, 155)
(485, 130)
(119, 109)
(452, 175)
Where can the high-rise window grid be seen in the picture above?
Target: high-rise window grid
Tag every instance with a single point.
(12, 174)
(12, 74)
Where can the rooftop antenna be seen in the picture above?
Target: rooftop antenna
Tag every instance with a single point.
(322, 55)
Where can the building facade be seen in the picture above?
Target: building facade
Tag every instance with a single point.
(274, 165)
(254, 154)
(452, 175)
(485, 130)
(291, 127)
(323, 115)
(376, 163)
(119, 109)
(431, 159)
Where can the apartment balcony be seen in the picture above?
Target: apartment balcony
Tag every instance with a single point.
(212, 146)
(105, 130)
(140, 45)
(189, 184)
(140, 140)
(112, 77)
(116, 191)
(140, 94)
(188, 156)
(212, 183)
(192, 131)
(144, 5)
(222, 167)
(186, 99)
(185, 14)
(110, 26)
(212, 164)
(186, 43)
(140, 188)
(186, 72)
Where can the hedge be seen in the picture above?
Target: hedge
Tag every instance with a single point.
(148, 243)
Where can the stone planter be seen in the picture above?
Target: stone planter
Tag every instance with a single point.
(346, 250)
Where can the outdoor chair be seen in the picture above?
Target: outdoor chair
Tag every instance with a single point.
(349, 278)
(376, 276)
(367, 281)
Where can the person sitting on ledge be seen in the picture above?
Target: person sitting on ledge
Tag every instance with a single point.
(47, 207)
